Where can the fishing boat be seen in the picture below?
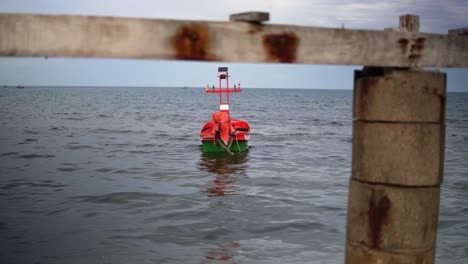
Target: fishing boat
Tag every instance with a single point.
(223, 133)
(19, 86)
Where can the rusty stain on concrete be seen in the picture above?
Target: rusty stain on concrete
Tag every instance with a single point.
(419, 44)
(281, 47)
(192, 42)
(378, 215)
(412, 47)
(403, 44)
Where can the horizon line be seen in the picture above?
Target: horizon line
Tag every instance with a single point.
(183, 87)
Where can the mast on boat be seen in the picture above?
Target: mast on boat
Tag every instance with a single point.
(223, 74)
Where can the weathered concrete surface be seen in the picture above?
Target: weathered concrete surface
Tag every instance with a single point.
(400, 95)
(112, 37)
(458, 32)
(409, 22)
(392, 218)
(397, 167)
(363, 255)
(397, 153)
(252, 17)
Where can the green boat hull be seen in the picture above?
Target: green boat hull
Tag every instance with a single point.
(237, 146)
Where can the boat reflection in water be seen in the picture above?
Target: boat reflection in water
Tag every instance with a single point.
(226, 175)
(223, 253)
(227, 170)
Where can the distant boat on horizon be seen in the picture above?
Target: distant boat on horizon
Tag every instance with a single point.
(19, 86)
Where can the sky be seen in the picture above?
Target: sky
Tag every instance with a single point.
(436, 16)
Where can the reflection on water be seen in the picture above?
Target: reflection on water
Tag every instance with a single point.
(223, 163)
(222, 186)
(99, 176)
(223, 253)
(227, 169)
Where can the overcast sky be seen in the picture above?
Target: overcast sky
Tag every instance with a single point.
(435, 17)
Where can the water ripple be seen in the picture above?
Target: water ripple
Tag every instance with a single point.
(117, 174)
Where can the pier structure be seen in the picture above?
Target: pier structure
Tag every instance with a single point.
(398, 106)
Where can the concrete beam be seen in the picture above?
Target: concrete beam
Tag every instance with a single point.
(111, 37)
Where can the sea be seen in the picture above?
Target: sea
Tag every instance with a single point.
(117, 175)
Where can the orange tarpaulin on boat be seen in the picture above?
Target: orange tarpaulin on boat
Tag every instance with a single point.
(223, 123)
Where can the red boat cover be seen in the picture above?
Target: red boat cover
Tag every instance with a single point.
(223, 122)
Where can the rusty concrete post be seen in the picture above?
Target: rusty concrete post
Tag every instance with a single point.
(397, 167)
(409, 22)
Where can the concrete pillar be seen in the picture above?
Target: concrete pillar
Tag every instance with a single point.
(397, 167)
(409, 22)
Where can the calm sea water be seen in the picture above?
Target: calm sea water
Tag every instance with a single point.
(116, 175)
